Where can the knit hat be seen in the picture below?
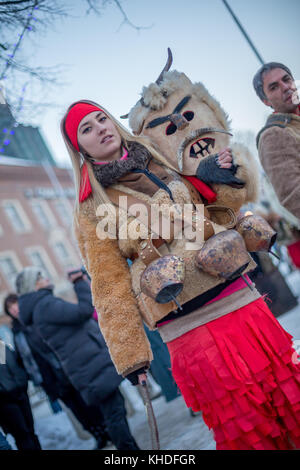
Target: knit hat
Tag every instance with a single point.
(77, 112)
(26, 279)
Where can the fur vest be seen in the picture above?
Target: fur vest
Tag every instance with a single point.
(117, 296)
(279, 153)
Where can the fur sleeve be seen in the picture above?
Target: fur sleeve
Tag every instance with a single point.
(279, 155)
(118, 314)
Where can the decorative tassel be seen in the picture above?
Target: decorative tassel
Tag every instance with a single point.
(85, 185)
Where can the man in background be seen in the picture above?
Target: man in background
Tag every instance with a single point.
(279, 140)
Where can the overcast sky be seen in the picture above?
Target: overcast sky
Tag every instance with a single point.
(110, 65)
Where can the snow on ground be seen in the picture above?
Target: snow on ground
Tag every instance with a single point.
(178, 430)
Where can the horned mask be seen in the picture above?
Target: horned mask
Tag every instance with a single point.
(184, 121)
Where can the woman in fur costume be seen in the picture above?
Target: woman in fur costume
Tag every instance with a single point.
(230, 357)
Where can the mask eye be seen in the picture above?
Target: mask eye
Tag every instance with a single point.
(171, 129)
(189, 115)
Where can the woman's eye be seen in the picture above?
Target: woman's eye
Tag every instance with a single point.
(86, 130)
(103, 118)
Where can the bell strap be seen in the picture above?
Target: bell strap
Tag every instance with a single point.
(216, 208)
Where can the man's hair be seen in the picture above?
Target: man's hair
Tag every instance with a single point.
(9, 299)
(258, 82)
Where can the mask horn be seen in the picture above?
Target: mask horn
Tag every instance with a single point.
(159, 79)
(166, 67)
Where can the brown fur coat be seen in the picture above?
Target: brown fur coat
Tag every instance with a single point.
(279, 153)
(115, 287)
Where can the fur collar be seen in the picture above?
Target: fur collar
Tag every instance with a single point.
(138, 158)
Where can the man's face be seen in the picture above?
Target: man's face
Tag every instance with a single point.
(280, 88)
(14, 309)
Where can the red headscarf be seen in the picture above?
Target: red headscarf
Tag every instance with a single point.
(75, 115)
(73, 119)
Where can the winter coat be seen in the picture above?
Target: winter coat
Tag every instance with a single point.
(29, 362)
(54, 381)
(161, 366)
(75, 338)
(117, 295)
(279, 153)
(4, 444)
(13, 377)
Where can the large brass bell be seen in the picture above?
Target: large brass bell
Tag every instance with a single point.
(257, 233)
(163, 279)
(224, 255)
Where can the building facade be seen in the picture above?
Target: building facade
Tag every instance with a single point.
(36, 203)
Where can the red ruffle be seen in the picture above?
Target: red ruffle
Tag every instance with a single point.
(85, 186)
(294, 252)
(242, 372)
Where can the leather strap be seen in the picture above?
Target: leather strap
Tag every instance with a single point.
(148, 251)
(216, 208)
(148, 248)
(146, 216)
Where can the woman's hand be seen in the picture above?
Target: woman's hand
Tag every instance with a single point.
(224, 159)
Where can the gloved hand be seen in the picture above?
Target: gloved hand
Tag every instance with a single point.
(219, 171)
(133, 377)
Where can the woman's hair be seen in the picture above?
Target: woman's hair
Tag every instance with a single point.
(99, 195)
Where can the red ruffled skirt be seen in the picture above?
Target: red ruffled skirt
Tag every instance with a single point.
(294, 252)
(242, 372)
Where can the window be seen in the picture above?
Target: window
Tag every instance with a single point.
(10, 267)
(16, 216)
(39, 258)
(63, 254)
(43, 214)
(63, 212)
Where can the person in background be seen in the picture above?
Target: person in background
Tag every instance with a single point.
(279, 140)
(45, 370)
(15, 410)
(4, 444)
(71, 333)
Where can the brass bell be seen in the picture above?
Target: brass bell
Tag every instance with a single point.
(257, 233)
(224, 255)
(163, 279)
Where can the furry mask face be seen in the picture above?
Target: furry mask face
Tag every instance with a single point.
(184, 121)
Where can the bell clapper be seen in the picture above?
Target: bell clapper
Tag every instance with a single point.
(176, 302)
(245, 280)
(274, 254)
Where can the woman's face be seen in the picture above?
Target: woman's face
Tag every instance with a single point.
(99, 137)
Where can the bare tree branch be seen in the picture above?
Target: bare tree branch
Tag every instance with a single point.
(96, 8)
(18, 19)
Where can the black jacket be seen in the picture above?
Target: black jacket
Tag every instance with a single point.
(74, 336)
(13, 377)
(54, 381)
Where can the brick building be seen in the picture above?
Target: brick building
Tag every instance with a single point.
(35, 223)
